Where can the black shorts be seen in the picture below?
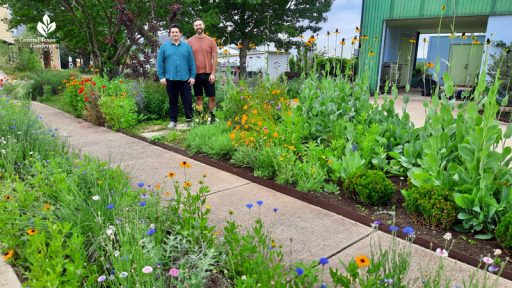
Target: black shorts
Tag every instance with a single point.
(202, 83)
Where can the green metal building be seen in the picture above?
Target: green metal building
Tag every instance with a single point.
(393, 27)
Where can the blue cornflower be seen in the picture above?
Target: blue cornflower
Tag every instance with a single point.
(299, 271)
(249, 205)
(393, 228)
(493, 268)
(140, 184)
(259, 202)
(323, 285)
(275, 210)
(12, 127)
(354, 147)
(151, 231)
(323, 261)
(110, 206)
(142, 203)
(375, 224)
(408, 230)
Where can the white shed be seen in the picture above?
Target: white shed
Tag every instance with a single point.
(271, 63)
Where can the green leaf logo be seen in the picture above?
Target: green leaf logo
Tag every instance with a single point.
(45, 27)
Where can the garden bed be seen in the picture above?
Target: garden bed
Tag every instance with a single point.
(465, 249)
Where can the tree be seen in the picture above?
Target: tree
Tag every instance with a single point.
(254, 22)
(105, 30)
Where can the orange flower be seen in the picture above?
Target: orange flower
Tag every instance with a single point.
(187, 184)
(295, 100)
(430, 65)
(31, 231)
(8, 255)
(476, 42)
(275, 135)
(158, 186)
(342, 42)
(362, 261)
(276, 92)
(185, 164)
(167, 194)
(232, 135)
(229, 123)
(171, 174)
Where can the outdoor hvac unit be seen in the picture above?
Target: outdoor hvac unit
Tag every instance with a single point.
(391, 72)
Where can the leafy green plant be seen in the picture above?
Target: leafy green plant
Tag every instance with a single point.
(504, 231)
(244, 156)
(435, 205)
(119, 112)
(212, 140)
(155, 102)
(372, 187)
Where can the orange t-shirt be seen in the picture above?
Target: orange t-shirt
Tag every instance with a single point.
(204, 49)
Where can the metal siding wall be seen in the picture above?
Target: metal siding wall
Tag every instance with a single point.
(377, 11)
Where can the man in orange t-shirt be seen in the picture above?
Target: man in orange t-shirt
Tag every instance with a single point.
(205, 55)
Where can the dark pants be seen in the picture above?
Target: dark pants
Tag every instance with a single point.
(176, 89)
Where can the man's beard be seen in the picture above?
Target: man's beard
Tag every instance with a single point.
(199, 31)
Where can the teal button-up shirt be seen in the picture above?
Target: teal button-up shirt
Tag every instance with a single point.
(175, 61)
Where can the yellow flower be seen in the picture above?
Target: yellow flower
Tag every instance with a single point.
(358, 30)
(364, 37)
(171, 174)
(31, 231)
(232, 135)
(207, 206)
(8, 255)
(362, 261)
(295, 100)
(276, 92)
(430, 65)
(46, 206)
(229, 123)
(273, 243)
(187, 184)
(342, 42)
(463, 36)
(412, 40)
(354, 40)
(167, 194)
(225, 51)
(158, 186)
(245, 107)
(275, 135)
(476, 42)
(184, 164)
(254, 111)
(8, 197)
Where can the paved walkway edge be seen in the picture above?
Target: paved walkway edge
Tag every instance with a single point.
(311, 199)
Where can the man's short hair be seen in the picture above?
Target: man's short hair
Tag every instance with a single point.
(198, 19)
(175, 26)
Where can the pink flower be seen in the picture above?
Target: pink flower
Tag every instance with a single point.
(147, 269)
(174, 272)
(487, 260)
(442, 252)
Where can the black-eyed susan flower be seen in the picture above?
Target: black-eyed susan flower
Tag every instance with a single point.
(184, 164)
(358, 30)
(463, 36)
(488, 41)
(412, 40)
(171, 175)
(8, 197)
(187, 184)
(476, 42)
(8, 255)
(31, 231)
(342, 42)
(337, 31)
(362, 261)
(354, 40)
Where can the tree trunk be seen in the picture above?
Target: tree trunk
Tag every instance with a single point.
(243, 58)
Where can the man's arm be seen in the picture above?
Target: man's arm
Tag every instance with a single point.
(191, 66)
(214, 61)
(160, 65)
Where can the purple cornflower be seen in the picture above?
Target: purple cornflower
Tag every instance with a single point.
(249, 205)
(142, 203)
(275, 210)
(493, 268)
(259, 202)
(110, 206)
(151, 231)
(393, 228)
(140, 184)
(408, 230)
(299, 271)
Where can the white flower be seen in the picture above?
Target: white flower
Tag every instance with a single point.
(110, 231)
(111, 277)
(116, 253)
(123, 274)
(152, 226)
(244, 277)
(487, 260)
(96, 197)
(3, 151)
(447, 236)
(497, 252)
(442, 252)
(147, 269)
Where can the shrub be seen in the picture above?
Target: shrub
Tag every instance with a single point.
(349, 185)
(119, 112)
(51, 79)
(155, 102)
(372, 187)
(244, 156)
(434, 204)
(504, 231)
(212, 140)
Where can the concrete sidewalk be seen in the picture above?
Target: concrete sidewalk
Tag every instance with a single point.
(306, 232)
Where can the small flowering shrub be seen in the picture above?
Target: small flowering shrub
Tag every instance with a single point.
(120, 112)
(212, 140)
(434, 204)
(372, 187)
(504, 231)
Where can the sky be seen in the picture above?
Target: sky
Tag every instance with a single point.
(344, 15)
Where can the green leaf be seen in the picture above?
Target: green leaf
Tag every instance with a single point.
(508, 131)
(464, 200)
(483, 236)
(464, 216)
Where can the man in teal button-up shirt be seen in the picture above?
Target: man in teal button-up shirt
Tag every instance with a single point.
(177, 70)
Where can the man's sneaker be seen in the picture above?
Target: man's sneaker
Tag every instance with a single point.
(172, 125)
(212, 118)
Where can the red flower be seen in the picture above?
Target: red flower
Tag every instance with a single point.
(103, 86)
(93, 83)
(81, 90)
(86, 99)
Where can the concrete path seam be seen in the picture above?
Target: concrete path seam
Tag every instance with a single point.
(350, 244)
(227, 189)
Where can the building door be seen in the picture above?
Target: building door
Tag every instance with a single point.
(405, 59)
(465, 60)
